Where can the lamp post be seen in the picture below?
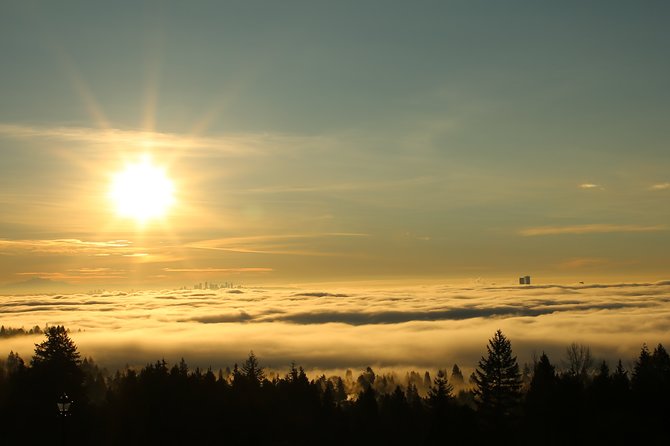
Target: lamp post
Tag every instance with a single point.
(64, 403)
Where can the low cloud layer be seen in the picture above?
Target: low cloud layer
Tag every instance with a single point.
(328, 329)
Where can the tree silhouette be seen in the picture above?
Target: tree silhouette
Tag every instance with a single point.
(340, 390)
(602, 380)
(413, 398)
(440, 393)
(57, 362)
(497, 379)
(367, 412)
(367, 378)
(252, 370)
(650, 389)
(661, 361)
(58, 349)
(621, 372)
(579, 360)
(661, 364)
(397, 416)
(543, 383)
(541, 399)
(14, 363)
(642, 381)
(165, 403)
(457, 376)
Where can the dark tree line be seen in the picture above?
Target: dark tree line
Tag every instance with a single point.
(173, 404)
(8, 332)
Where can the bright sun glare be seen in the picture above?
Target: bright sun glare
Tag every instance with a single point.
(142, 191)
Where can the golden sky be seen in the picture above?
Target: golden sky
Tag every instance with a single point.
(309, 142)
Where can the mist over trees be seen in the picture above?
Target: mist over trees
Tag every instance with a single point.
(160, 403)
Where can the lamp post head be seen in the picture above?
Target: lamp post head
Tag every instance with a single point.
(64, 403)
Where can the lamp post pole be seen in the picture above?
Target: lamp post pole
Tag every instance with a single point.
(64, 403)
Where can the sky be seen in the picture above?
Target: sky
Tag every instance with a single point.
(331, 142)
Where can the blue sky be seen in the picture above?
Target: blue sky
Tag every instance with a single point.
(338, 140)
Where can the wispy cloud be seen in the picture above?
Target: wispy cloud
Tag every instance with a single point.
(589, 229)
(591, 186)
(194, 145)
(93, 270)
(78, 275)
(660, 186)
(583, 262)
(218, 270)
(65, 246)
(288, 244)
(345, 186)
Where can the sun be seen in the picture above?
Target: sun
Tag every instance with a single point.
(142, 191)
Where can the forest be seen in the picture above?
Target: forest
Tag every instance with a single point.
(56, 397)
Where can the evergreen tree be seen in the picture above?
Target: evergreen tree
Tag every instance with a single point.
(366, 405)
(367, 378)
(541, 398)
(543, 383)
(413, 398)
(340, 390)
(457, 376)
(328, 397)
(398, 397)
(603, 372)
(600, 395)
(57, 363)
(182, 368)
(661, 361)
(94, 381)
(497, 379)
(649, 386)
(440, 392)
(620, 380)
(643, 373)
(14, 363)
(58, 349)
(292, 375)
(252, 371)
(236, 375)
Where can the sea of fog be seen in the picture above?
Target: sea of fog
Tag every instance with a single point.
(419, 328)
